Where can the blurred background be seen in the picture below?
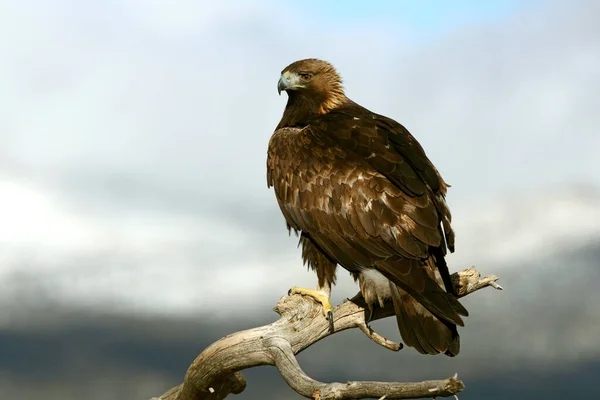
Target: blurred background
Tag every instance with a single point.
(136, 227)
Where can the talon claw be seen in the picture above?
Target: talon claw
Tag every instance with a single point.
(330, 319)
(370, 316)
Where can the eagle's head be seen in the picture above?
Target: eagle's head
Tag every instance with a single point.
(312, 83)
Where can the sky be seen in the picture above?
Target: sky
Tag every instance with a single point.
(427, 19)
(134, 136)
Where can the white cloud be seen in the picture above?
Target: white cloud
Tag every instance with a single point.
(134, 142)
(527, 227)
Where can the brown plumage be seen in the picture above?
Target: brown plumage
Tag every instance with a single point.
(363, 194)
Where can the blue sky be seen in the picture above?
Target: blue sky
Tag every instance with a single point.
(425, 17)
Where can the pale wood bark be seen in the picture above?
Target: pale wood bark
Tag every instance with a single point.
(214, 374)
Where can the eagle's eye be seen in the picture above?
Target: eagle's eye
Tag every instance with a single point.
(305, 77)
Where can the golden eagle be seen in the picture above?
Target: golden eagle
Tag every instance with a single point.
(361, 192)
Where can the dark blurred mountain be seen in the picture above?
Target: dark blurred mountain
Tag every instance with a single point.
(536, 339)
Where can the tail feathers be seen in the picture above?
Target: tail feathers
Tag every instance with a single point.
(421, 329)
(423, 286)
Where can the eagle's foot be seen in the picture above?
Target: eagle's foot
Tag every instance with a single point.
(320, 298)
(369, 317)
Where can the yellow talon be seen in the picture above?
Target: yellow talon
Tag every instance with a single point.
(319, 297)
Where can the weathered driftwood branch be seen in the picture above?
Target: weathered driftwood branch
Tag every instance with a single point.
(214, 374)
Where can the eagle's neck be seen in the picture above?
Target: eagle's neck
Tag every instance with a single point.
(300, 109)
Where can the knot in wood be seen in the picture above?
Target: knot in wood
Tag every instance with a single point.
(463, 279)
(297, 307)
(454, 385)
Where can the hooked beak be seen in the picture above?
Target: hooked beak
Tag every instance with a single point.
(283, 84)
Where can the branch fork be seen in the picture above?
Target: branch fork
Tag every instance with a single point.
(214, 374)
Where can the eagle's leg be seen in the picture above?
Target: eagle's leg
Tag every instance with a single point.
(322, 295)
(368, 319)
(375, 289)
(325, 267)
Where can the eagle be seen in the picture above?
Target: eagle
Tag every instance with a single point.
(361, 193)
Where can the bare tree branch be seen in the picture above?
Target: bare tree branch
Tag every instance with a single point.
(377, 338)
(214, 374)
